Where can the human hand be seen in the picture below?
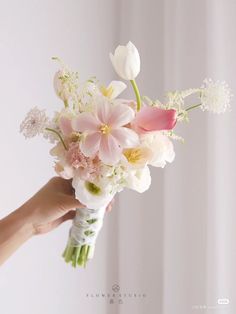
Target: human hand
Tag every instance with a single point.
(53, 204)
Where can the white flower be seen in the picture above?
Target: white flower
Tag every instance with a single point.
(34, 123)
(139, 179)
(161, 147)
(90, 194)
(215, 96)
(114, 89)
(126, 61)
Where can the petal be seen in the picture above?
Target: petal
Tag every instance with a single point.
(126, 137)
(121, 115)
(90, 145)
(154, 119)
(117, 88)
(103, 110)
(85, 122)
(109, 151)
(65, 125)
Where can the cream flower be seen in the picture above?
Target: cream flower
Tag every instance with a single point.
(139, 179)
(161, 147)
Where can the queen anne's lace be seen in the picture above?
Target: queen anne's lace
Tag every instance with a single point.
(34, 123)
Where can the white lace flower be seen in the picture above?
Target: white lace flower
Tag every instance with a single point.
(215, 96)
(34, 123)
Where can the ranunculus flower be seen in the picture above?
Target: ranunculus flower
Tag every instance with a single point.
(105, 133)
(150, 119)
(139, 179)
(126, 61)
(161, 146)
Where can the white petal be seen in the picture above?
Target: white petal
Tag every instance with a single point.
(118, 87)
(139, 179)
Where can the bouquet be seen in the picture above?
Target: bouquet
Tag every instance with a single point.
(105, 143)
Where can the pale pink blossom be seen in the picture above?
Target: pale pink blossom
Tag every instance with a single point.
(86, 167)
(65, 125)
(105, 131)
(150, 119)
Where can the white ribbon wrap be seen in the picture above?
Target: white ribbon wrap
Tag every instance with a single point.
(86, 226)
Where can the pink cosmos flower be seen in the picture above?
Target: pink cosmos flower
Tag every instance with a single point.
(105, 131)
(150, 119)
(65, 125)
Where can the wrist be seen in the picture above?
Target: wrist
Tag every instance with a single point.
(23, 216)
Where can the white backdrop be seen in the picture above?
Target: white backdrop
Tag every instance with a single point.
(175, 243)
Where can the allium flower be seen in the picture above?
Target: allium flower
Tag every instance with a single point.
(126, 61)
(215, 96)
(105, 131)
(34, 123)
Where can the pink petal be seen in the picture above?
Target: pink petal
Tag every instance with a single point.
(154, 119)
(90, 145)
(104, 110)
(121, 115)
(126, 137)
(85, 122)
(109, 151)
(65, 125)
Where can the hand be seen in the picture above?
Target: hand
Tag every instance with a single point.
(52, 205)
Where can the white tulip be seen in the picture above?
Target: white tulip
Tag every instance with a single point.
(126, 61)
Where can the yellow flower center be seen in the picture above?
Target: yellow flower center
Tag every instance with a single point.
(137, 156)
(105, 129)
(133, 155)
(107, 92)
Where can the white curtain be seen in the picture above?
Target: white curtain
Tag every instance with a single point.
(175, 244)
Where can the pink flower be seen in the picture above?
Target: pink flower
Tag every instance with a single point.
(86, 167)
(105, 131)
(65, 125)
(154, 119)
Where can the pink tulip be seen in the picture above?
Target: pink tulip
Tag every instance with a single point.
(154, 119)
(105, 131)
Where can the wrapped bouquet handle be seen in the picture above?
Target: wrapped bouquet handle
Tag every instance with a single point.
(105, 143)
(83, 233)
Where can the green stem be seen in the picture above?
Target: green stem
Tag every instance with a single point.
(59, 135)
(193, 107)
(137, 94)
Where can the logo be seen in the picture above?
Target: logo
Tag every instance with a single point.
(116, 288)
